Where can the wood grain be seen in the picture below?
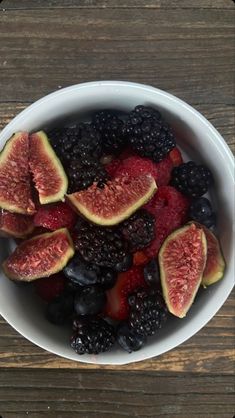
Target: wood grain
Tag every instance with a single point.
(152, 4)
(63, 394)
(190, 54)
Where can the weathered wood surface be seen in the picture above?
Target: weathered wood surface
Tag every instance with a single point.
(114, 4)
(64, 394)
(186, 48)
(189, 53)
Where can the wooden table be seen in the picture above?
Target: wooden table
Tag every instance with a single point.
(182, 46)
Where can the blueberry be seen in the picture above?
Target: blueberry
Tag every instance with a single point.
(107, 278)
(80, 272)
(202, 212)
(60, 309)
(152, 274)
(89, 301)
(128, 339)
(125, 264)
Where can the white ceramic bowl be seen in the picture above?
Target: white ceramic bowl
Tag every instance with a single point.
(200, 140)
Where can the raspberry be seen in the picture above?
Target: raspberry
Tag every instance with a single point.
(136, 165)
(56, 216)
(50, 287)
(168, 196)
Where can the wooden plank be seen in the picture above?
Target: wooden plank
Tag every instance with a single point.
(64, 393)
(210, 351)
(151, 4)
(221, 116)
(190, 54)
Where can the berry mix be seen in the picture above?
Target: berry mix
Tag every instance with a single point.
(117, 234)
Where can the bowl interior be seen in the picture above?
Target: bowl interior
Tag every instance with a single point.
(199, 140)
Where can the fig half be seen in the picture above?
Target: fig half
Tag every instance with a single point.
(15, 185)
(116, 201)
(48, 174)
(40, 256)
(182, 259)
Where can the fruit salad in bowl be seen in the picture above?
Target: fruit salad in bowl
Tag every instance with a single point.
(111, 224)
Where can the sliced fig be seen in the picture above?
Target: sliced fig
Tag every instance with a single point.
(48, 174)
(182, 259)
(15, 186)
(15, 225)
(215, 263)
(116, 201)
(40, 256)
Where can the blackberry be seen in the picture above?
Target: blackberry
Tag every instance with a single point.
(139, 229)
(191, 179)
(92, 336)
(102, 246)
(63, 140)
(148, 133)
(110, 127)
(89, 143)
(148, 312)
(82, 173)
(77, 141)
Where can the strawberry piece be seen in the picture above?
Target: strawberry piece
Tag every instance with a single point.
(50, 287)
(117, 306)
(176, 157)
(135, 165)
(56, 216)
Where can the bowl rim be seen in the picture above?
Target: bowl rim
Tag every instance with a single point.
(220, 142)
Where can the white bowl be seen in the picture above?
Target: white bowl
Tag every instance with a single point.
(200, 140)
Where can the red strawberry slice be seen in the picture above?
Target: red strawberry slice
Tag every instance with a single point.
(117, 298)
(135, 165)
(56, 216)
(176, 157)
(50, 287)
